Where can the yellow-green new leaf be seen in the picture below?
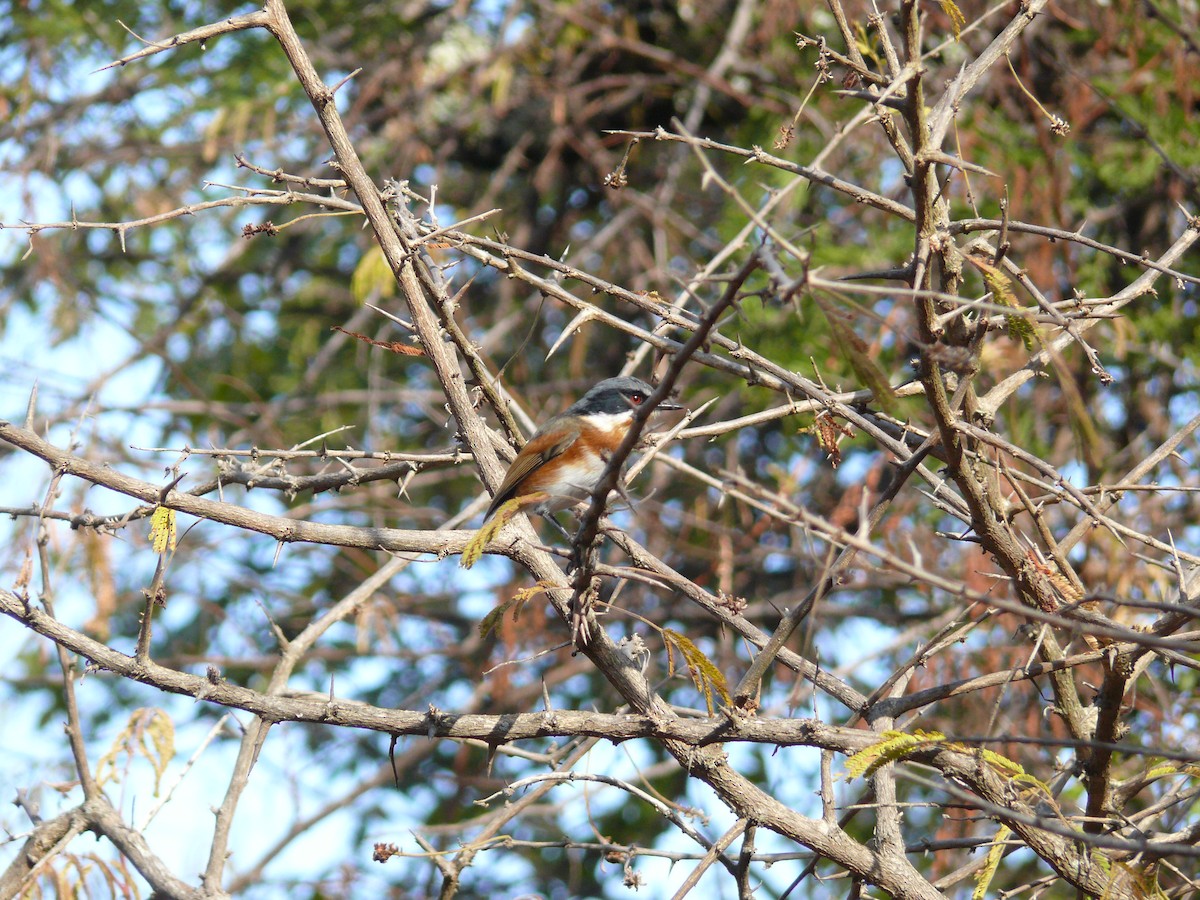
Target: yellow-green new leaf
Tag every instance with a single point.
(957, 19)
(474, 550)
(1020, 327)
(161, 731)
(995, 853)
(372, 278)
(516, 603)
(705, 675)
(162, 530)
(148, 733)
(895, 745)
(491, 621)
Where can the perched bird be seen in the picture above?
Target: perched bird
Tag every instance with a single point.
(566, 457)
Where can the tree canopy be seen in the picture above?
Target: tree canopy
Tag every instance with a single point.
(904, 604)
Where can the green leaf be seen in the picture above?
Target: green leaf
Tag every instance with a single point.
(857, 353)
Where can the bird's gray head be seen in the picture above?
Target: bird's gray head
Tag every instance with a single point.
(615, 395)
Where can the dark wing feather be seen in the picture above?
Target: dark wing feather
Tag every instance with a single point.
(550, 441)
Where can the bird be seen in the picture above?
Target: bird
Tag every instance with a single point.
(565, 458)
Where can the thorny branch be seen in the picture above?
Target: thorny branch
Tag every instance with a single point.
(1016, 505)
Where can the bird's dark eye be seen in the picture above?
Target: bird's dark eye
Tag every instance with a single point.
(637, 398)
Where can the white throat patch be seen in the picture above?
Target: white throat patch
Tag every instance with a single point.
(609, 421)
